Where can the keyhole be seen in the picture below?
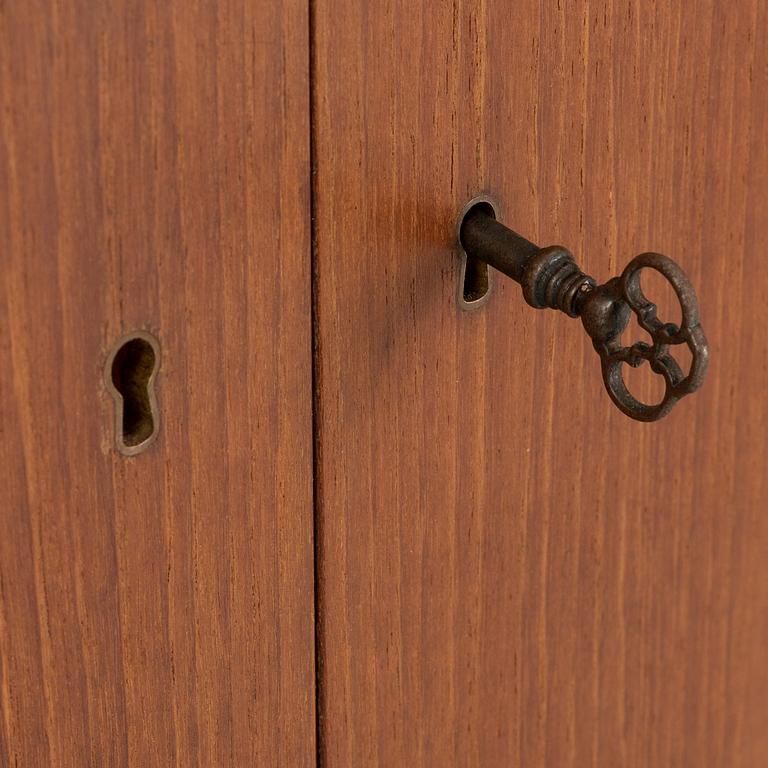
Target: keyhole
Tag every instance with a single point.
(131, 372)
(474, 279)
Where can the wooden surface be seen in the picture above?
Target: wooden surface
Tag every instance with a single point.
(154, 175)
(511, 572)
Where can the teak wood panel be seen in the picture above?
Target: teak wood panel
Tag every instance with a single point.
(510, 571)
(154, 174)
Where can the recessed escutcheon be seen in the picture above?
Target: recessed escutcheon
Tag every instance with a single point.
(130, 375)
(474, 274)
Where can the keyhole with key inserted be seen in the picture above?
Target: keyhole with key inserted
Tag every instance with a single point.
(130, 376)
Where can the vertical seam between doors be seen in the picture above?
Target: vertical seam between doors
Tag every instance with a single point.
(316, 394)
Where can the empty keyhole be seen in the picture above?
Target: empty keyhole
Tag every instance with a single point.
(476, 282)
(132, 376)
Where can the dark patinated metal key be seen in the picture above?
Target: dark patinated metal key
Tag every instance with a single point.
(550, 278)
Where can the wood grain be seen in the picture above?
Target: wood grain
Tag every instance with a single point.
(510, 571)
(154, 174)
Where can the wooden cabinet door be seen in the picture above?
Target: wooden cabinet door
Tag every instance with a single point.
(511, 572)
(156, 610)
